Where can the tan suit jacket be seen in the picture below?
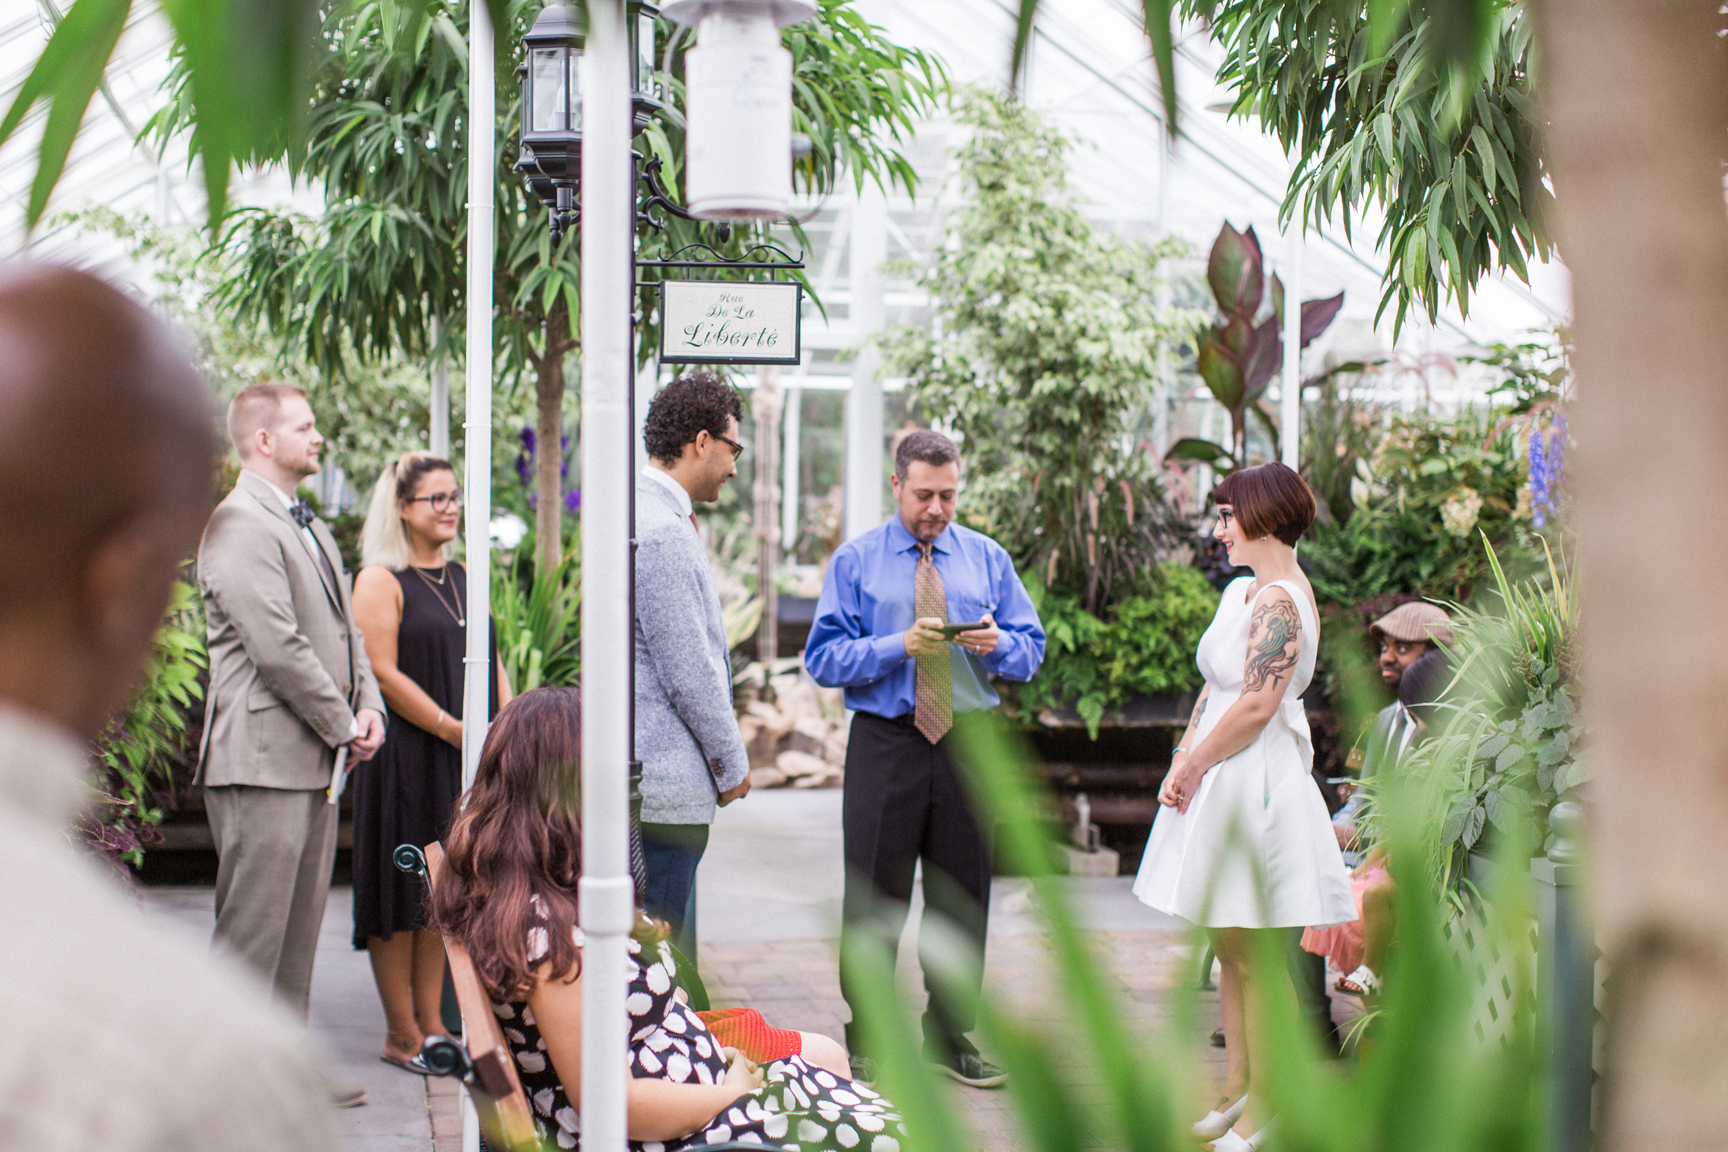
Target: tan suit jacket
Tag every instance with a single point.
(288, 667)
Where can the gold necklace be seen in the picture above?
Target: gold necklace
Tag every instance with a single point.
(443, 576)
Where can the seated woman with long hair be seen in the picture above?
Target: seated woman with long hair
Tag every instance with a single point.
(508, 893)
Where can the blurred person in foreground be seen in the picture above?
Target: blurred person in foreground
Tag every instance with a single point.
(289, 684)
(1243, 844)
(508, 892)
(411, 603)
(120, 1032)
(878, 633)
(687, 736)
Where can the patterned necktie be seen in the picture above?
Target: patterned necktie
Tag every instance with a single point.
(933, 710)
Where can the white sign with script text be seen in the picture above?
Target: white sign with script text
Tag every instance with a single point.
(727, 322)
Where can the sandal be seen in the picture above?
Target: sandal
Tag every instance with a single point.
(412, 1063)
(1361, 982)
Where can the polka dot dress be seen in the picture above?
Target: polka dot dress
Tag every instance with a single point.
(800, 1108)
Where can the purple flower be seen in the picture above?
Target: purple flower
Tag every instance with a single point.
(1538, 482)
(564, 457)
(573, 500)
(525, 461)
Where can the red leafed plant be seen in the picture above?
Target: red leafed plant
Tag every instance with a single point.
(1239, 355)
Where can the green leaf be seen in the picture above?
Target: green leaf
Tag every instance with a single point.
(1191, 448)
(1383, 134)
(1222, 373)
(67, 74)
(1474, 822)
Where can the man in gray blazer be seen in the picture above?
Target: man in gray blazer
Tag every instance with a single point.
(289, 684)
(687, 737)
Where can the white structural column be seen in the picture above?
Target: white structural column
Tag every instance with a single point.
(1290, 421)
(864, 402)
(791, 423)
(607, 894)
(477, 431)
(439, 407)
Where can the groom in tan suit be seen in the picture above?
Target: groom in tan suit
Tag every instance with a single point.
(289, 684)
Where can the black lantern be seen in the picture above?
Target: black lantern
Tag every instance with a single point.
(551, 75)
(644, 64)
(551, 78)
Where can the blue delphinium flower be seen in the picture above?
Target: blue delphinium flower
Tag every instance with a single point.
(573, 500)
(1538, 482)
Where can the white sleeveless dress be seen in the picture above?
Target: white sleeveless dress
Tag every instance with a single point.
(1255, 848)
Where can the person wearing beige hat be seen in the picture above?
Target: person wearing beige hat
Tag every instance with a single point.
(1406, 634)
(1413, 641)
(1401, 637)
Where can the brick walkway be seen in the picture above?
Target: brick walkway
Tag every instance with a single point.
(795, 984)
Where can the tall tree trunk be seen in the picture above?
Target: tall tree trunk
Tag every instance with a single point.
(549, 443)
(765, 407)
(1635, 94)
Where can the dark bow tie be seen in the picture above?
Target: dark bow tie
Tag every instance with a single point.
(302, 513)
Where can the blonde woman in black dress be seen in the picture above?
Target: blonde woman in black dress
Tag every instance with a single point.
(411, 605)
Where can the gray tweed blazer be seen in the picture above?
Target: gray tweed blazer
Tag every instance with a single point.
(686, 734)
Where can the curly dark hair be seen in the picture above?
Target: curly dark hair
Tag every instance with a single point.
(698, 401)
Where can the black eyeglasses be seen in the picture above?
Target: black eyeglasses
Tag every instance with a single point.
(737, 448)
(440, 500)
(1225, 515)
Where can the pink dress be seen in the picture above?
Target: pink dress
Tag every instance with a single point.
(1342, 944)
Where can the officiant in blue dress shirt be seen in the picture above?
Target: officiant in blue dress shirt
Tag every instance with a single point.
(877, 635)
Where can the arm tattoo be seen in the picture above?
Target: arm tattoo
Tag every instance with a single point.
(1274, 644)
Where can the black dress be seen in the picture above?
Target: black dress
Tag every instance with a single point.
(407, 793)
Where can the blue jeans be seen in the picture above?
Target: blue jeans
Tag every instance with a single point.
(672, 852)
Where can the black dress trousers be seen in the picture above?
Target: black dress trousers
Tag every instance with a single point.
(903, 803)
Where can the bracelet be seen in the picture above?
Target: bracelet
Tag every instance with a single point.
(1173, 751)
(438, 728)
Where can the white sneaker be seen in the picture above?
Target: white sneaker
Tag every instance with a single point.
(1216, 1124)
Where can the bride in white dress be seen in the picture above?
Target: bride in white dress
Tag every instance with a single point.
(1243, 843)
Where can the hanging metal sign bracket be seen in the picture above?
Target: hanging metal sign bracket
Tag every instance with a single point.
(710, 321)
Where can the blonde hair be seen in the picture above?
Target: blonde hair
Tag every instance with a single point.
(383, 540)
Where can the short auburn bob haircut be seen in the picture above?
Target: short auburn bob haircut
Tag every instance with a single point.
(1268, 500)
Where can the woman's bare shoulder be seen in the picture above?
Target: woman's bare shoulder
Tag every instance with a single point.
(377, 579)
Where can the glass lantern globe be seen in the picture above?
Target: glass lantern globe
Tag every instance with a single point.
(645, 96)
(551, 75)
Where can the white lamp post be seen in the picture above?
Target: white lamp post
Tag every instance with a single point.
(738, 96)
